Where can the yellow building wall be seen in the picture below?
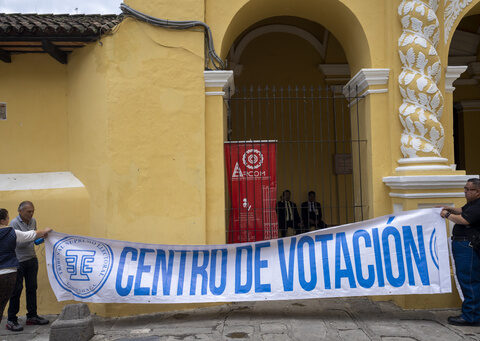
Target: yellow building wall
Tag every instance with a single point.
(35, 140)
(34, 136)
(138, 143)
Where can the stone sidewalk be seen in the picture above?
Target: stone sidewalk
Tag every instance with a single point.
(319, 319)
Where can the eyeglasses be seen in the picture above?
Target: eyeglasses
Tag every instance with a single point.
(466, 189)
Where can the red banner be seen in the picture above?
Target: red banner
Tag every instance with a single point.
(252, 184)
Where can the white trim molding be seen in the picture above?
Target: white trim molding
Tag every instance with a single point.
(452, 73)
(365, 78)
(219, 79)
(214, 93)
(427, 181)
(36, 181)
(419, 182)
(425, 163)
(427, 195)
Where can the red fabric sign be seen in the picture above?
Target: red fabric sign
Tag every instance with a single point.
(252, 184)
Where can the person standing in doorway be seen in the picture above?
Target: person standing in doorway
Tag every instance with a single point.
(287, 214)
(467, 260)
(312, 213)
(28, 269)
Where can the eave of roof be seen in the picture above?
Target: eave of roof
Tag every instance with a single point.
(55, 34)
(48, 25)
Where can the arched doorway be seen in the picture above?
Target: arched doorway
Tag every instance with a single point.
(289, 78)
(465, 50)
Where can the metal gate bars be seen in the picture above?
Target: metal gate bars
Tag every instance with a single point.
(319, 149)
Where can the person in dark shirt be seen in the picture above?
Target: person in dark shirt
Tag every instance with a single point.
(9, 239)
(287, 215)
(312, 213)
(467, 260)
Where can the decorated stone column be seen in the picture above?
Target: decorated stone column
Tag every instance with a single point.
(424, 176)
(422, 105)
(217, 84)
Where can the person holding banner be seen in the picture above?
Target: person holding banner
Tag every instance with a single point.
(287, 214)
(27, 269)
(9, 239)
(467, 260)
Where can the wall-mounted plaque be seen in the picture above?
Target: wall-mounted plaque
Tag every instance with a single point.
(343, 163)
(3, 111)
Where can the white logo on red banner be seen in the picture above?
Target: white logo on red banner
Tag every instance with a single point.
(253, 190)
(252, 158)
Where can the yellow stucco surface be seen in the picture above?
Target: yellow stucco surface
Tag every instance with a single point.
(34, 88)
(143, 170)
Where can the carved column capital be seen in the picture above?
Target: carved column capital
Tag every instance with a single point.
(362, 84)
(222, 79)
(451, 75)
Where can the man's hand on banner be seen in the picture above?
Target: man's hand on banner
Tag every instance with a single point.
(43, 233)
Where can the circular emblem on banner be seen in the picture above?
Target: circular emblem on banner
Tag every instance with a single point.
(252, 158)
(81, 265)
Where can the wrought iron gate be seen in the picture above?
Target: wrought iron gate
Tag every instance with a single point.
(320, 145)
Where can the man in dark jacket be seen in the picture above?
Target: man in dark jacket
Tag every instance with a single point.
(287, 214)
(312, 213)
(9, 239)
(467, 259)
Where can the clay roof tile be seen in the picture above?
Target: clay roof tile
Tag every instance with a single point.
(64, 25)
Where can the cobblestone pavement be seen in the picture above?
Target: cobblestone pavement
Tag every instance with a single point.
(320, 319)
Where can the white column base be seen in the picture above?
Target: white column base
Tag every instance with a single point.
(428, 184)
(423, 164)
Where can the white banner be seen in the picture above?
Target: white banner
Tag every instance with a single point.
(391, 255)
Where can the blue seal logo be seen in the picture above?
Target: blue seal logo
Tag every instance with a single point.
(81, 265)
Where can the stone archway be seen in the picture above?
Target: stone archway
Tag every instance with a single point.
(297, 68)
(334, 15)
(320, 45)
(464, 55)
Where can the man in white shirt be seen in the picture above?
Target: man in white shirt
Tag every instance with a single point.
(28, 270)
